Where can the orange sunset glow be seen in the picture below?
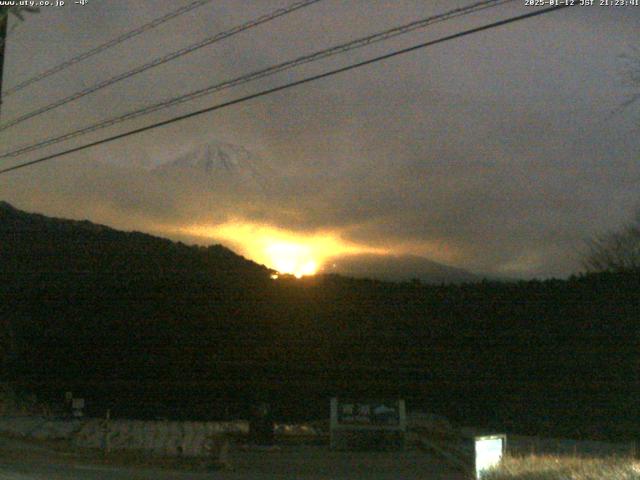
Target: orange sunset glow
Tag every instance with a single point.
(287, 252)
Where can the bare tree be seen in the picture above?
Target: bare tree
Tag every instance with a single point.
(615, 251)
(620, 250)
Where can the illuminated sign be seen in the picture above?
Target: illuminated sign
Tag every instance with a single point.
(489, 451)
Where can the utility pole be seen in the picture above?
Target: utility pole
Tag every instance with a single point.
(4, 20)
(4, 32)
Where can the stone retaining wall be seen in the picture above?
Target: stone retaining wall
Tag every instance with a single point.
(160, 437)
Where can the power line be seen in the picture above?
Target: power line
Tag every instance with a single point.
(293, 84)
(321, 54)
(105, 46)
(161, 60)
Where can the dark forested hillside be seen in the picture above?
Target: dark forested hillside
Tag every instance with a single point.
(149, 327)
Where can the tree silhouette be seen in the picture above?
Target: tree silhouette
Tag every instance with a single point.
(617, 251)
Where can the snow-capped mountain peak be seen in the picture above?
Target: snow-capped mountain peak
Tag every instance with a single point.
(220, 164)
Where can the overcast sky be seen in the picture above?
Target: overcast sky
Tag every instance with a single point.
(498, 152)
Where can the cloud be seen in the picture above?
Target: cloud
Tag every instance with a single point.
(494, 153)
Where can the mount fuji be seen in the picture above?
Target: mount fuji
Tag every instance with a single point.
(221, 166)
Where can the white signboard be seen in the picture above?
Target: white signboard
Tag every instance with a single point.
(489, 452)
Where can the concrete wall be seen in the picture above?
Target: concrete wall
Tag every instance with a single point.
(160, 437)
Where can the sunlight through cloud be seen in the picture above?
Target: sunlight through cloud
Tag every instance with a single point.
(299, 254)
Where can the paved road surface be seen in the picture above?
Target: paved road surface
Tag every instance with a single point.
(297, 462)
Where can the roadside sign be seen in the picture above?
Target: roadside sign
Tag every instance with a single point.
(367, 424)
(489, 451)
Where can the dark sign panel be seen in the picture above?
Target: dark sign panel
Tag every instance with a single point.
(368, 413)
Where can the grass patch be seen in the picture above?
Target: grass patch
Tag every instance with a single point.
(549, 467)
